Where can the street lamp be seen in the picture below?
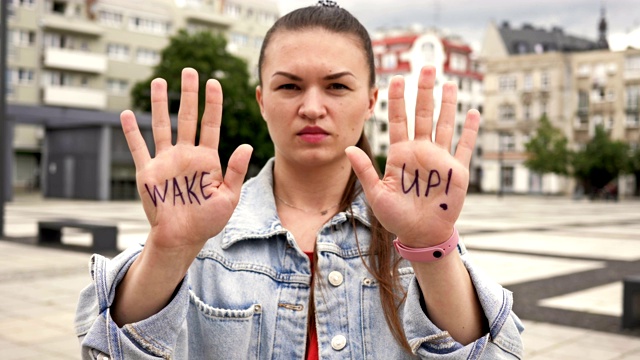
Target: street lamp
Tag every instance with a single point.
(4, 128)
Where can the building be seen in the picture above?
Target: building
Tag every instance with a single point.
(576, 83)
(405, 52)
(87, 54)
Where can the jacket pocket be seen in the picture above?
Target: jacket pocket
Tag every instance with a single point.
(227, 333)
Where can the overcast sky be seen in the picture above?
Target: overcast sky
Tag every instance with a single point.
(469, 18)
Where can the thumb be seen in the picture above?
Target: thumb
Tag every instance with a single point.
(237, 168)
(363, 168)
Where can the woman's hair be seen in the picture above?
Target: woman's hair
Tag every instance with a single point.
(383, 262)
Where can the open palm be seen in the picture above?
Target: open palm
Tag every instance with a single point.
(185, 196)
(423, 189)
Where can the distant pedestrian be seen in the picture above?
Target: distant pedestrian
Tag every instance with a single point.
(299, 261)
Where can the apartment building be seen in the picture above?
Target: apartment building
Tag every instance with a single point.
(87, 54)
(576, 83)
(404, 52)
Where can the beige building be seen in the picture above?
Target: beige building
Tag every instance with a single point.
(87, 54)
(576, 83)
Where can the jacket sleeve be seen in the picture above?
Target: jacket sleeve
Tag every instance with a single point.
(503, 340)
(162, 335)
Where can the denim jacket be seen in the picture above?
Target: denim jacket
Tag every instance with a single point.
(246, 296)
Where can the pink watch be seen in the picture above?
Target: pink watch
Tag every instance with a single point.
(428, 254)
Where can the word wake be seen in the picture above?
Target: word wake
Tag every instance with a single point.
(189, 193)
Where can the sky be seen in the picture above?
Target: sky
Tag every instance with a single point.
(469, 18)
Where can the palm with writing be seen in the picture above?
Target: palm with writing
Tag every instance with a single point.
(184, 194)
(423, 189)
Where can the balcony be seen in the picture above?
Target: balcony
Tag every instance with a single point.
(74, 60)
(75, 97)
(208, 17)
(70, 24)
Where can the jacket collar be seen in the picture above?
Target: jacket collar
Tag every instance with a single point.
(256, 216)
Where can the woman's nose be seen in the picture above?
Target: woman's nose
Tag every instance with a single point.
(313, 106)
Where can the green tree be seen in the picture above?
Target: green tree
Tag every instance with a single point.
(206, 52)
(634, 168)
(601, 161)
(548, 152)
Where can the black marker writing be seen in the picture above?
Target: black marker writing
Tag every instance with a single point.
(446, 191)
(415, 182)
(429, 183)
(158, 195)
(177, 193)
(190, 188)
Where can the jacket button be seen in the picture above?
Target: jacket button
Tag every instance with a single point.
(335, 278)
(338, 342)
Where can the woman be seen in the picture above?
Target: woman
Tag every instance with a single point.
(298, 262)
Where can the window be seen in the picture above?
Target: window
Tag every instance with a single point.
(266, 18)
(117, 86)
(429, 52)
(383, 105)
(632, 105)
(507, 83)
(151, 26)
(59, 7)
(63, 41)
(584, 70)
(110, 18)
(118, 52)
(506, 112)
(23, 37)
(389, 61)
(544, 108)
(527, 85)
(23, 3)
(232, 10)
(22, 76)
(507, 142)
(57, 78)
(239, 39)
(545, 81)
(527, 112)
(506, 173)
(458, 62)
(632, 63)
(147, 56)
(384, 127)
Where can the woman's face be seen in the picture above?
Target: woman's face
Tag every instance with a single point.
(315, 94)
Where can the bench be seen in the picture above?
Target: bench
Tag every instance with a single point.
(631, 302)
(105, 236)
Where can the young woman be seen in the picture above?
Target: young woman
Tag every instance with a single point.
(299, 262)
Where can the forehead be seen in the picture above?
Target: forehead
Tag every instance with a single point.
(314, 45)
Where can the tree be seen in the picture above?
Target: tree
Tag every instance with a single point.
(547, 150)
(206, 52)
(634, 168)
(601, 161)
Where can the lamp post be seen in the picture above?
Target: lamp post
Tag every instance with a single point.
(4, 128)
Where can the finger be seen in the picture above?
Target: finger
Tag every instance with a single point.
(424, 103)
(447, 118)
(467, 142)
(363, 168)
(237, 168)
(188, 113)
(397, 111)
(161, 124)
(212, 117)
(136, 143)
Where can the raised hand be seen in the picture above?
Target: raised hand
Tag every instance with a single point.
(423, 189)
(184, 194)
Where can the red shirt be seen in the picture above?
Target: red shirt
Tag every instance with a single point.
(312, 340)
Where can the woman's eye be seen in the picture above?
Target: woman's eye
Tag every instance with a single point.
(288, 87)
(338, 86)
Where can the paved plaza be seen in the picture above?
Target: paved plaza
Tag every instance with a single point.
(563, 259)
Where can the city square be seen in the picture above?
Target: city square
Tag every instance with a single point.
(564, 260)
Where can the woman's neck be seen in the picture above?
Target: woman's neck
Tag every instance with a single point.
(310, 188)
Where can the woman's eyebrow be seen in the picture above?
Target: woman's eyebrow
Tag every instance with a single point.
(328, 77)
(338, 75)
(287, 75)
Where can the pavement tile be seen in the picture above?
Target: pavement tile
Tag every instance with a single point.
(605, 299)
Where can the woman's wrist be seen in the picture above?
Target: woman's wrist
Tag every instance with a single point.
(427, 253)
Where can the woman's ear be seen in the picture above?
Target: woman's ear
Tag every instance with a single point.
(373, 99)
(259, 100)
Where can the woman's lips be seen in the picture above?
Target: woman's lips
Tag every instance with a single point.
(313, 134)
